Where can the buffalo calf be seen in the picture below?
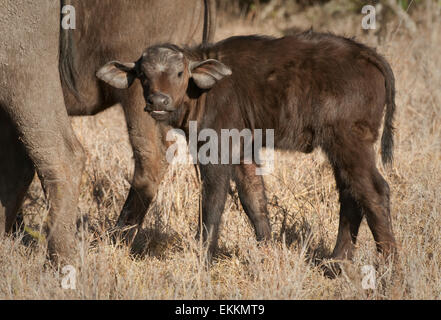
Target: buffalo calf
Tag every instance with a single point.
(315, 90)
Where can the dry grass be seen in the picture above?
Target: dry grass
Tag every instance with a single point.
(304, 208)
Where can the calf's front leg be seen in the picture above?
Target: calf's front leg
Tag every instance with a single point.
(215, 184)
(252, 196)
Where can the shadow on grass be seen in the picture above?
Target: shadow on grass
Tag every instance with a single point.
(142, 242)
(317, 254)
(298, 234)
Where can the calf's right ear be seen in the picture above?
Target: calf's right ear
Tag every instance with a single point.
(207, 73)
(117, 74)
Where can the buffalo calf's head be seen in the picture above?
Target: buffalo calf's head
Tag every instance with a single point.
(165, 73)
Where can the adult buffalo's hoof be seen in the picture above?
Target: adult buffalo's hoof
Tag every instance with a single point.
(331, 269)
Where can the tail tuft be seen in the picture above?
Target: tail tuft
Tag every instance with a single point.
(387, 146)
(387, 140)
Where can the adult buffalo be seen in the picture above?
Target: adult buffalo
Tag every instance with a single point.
(35, 131)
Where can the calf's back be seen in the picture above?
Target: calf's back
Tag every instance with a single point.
(305, 86)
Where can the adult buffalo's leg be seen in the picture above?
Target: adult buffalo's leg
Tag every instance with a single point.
(215, 182)
(45, 130)
(251, 191)
(32, 98)
(16, 174)
(148, 141)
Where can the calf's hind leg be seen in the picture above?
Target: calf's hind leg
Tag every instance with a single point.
(351, 216)
(362, 189)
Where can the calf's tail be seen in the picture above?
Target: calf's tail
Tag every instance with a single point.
(387, 140)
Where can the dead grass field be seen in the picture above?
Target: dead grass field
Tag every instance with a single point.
(167, 263)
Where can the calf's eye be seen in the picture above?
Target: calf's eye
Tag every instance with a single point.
(180, 74)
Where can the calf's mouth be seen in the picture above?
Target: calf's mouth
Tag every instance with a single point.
(158, 115)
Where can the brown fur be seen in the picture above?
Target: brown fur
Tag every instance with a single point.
(315, 90)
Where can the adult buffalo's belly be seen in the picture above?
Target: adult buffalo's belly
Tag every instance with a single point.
(120, 29)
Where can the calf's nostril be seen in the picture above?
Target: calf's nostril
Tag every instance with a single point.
(166, 101)
(150, 101)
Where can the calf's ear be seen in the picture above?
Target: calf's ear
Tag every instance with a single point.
(117, 74)
(206, 73)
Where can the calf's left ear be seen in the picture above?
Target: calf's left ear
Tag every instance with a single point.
(206, 73)
(117, 74)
